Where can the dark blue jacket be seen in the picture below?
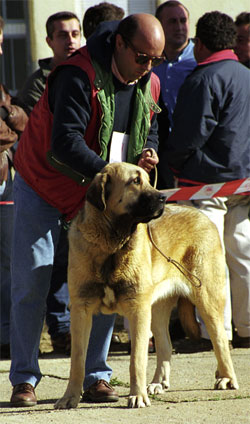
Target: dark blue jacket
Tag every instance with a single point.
(210, 141)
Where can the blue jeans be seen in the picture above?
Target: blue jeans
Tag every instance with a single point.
(6, 225)
(37, 227)
(57, 314)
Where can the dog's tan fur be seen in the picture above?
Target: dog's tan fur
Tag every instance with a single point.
(114, 267)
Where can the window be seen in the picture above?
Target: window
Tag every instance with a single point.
(12, 9)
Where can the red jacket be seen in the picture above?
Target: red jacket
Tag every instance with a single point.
(31, 161)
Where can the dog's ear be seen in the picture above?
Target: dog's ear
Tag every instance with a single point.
(97, 192)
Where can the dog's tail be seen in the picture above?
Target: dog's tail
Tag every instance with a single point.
(186, 312)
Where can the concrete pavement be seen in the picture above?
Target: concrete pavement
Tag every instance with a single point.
(191, 398)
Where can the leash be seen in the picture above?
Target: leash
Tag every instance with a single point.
(156, 176)
(152, 154)
(180, 267)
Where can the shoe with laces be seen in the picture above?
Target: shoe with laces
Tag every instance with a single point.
(100, 391)
(23, 395)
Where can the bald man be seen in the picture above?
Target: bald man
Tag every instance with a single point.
(103, 96)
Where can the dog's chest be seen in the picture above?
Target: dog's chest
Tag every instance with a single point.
(110, 281)
(117, 276)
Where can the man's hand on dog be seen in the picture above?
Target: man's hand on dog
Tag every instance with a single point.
(148, 159)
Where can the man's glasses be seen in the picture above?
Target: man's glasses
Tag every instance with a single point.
(143, 58)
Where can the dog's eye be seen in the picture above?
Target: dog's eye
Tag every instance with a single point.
(137, 180)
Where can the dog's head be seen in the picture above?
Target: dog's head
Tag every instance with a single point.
(123, 191)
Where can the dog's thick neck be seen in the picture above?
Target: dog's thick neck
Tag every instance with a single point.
(111, 236)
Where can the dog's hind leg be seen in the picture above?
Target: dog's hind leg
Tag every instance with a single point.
(161, 312)
(139, 322)
(186, 313)
(212, 315)
(81, 323)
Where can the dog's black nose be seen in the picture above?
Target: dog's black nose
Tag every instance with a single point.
(162, 197)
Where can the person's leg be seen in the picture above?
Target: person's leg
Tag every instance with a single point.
(6, 225)
(58, 314)
(96, 366)
(35, 236)
(215, 209)
(237, 243)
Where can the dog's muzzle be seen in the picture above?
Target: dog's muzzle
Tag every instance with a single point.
(150, 205)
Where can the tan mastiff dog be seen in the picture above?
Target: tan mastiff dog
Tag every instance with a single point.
(131, 253)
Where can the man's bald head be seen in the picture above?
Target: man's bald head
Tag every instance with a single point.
(139, 45)
(142, 26)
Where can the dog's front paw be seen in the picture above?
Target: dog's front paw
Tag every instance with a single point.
(139, 401)
(154, 389)
(224, 383)
(67, 402)
(157, 388)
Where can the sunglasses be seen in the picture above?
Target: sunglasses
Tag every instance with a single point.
(143, 58)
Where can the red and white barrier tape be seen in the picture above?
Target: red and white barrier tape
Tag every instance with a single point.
(199, 192)
(208, 191)
(9, 202)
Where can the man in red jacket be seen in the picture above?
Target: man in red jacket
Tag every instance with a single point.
(104, 89)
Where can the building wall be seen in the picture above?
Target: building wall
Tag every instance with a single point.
(40, 10)
(25, 34)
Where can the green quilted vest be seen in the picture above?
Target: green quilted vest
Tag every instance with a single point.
(140, 125)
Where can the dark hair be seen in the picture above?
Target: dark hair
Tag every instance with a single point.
(1, 23)
(242, 19)
(216, 31)
(169, 3)
(59, 16)
(100, 13)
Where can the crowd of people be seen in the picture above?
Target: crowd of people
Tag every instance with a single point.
(188, 98)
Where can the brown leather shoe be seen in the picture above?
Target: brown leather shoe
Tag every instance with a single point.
(23, 395)
(100, 391)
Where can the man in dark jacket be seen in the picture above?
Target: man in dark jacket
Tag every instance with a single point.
(210, 143)
(64, 38)
(105, 88)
